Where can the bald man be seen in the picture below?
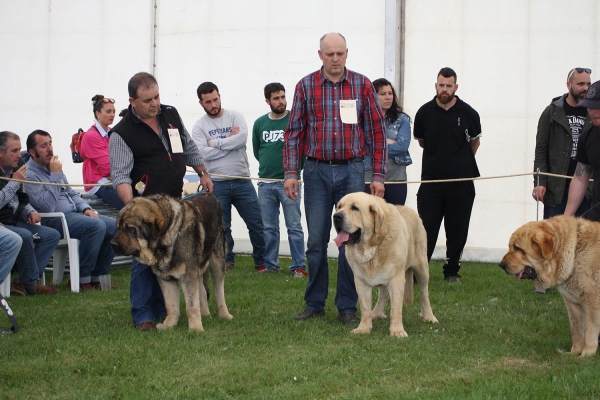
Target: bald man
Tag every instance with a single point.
(335, 118)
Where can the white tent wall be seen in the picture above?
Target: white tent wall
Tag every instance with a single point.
(511, 57)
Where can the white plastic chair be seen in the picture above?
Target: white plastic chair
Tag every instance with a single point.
(5, 287)
(65, 246)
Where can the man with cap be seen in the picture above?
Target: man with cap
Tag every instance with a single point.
(588, 158)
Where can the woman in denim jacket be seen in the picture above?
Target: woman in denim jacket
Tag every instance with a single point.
(398, 139)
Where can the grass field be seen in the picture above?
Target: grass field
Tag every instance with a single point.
(495, 339)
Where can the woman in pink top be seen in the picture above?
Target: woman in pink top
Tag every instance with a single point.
(94, 147)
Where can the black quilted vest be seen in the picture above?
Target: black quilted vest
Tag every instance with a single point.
(163, 170)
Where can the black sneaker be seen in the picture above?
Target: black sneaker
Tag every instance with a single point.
(348, 319)
(308, 314)
(453, 279)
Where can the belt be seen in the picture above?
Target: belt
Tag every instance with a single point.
(336, 162)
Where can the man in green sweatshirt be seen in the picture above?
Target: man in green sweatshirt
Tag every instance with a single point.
(267, 142)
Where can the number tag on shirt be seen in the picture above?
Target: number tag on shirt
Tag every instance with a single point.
(348, 111)
(176, 146)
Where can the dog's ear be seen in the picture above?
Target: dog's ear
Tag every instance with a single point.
(545, 241)
(163, 215)
(379, 227)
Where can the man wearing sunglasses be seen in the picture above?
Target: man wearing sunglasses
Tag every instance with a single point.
(559, 129)
(588, 158)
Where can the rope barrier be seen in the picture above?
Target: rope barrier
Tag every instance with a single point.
(480, 178)
(411, 182)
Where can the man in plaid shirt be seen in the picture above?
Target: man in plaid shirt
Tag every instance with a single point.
(335, 120)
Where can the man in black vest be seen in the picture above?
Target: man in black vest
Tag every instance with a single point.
(149, 151)
(17, 215)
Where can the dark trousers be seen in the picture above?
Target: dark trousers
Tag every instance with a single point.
(452, 202)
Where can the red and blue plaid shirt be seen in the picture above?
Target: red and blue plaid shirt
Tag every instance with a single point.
(315, 128)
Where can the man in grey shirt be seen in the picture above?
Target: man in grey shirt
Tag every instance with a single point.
(221, 137)
(149, 150)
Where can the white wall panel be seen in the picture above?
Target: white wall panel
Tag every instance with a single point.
(511, 57)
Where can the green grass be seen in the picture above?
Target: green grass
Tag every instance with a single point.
(495, 339)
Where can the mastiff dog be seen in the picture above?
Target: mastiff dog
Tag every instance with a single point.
(181, 240)
(385, 245)
(563, 252)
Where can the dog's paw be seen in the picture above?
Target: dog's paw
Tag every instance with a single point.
(588, 352)
(429, 318)
(226, 316)
(399, 334)
(360, 330)
(379, 316)
(196, 328)
(162, 327)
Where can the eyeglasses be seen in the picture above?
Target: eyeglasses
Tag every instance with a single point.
(579, 71)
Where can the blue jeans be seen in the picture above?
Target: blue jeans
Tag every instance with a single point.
(94, 234)
(10, 245)
(147, 302)
(270, 195)
(109, 195)
(31, 262)
(324, 186)
(240, 193)
(559, 209)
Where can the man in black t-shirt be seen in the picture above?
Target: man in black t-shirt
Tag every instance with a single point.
(448, 130)
(558, 132)
(588, 158)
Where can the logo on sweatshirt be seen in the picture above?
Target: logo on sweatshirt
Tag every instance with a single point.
(273, 136)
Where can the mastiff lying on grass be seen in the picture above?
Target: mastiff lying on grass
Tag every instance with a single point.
(181, 240)
(563, 252)
(385, 244)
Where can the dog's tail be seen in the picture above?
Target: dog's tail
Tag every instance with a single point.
(408, 287)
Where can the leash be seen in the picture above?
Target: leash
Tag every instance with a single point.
(13, 320)
(198, 191)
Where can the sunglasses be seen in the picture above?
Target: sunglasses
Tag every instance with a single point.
(579, 71)
(106, 100)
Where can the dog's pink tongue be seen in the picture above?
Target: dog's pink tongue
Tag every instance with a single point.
(519, 275)
(341, 238)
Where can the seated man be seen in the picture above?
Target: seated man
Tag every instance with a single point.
(10, 244)
(93, 231)
(18, 216)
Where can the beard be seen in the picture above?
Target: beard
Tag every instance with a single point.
(278, 110)
(209, 112)
(445, 99)
(577, 96)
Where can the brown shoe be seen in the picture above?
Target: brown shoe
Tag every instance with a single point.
(82, 286)
(146, 326)
(45, 289)
(229, 267)
(17, 289)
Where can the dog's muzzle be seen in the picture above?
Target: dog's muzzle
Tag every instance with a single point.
(122, 251)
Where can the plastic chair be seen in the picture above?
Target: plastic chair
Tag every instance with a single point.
(5, 287)
(65, 246)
